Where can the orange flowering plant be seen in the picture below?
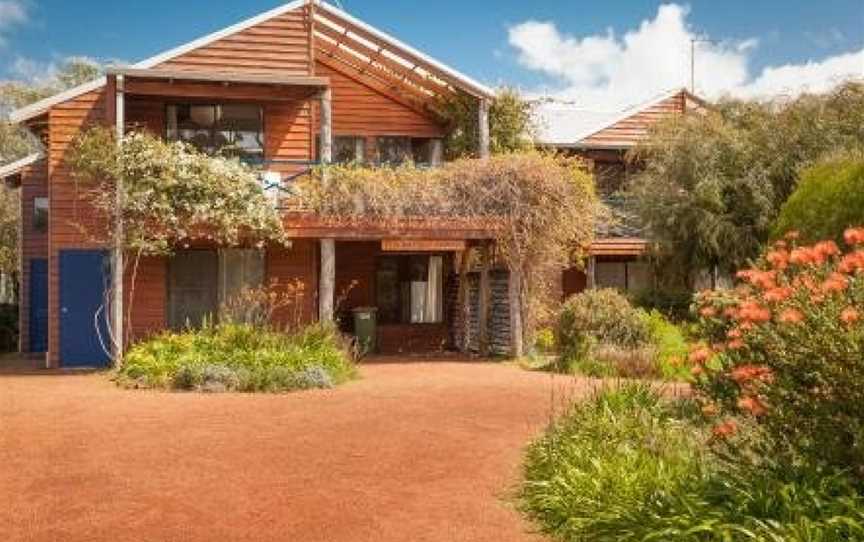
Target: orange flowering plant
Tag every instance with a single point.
(785, 349)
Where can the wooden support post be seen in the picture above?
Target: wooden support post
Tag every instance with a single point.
(485, 300)
(591, 273)
(327, 284)
(514, 294)
(464, 302)
(326, 142)
(483, 129)
(436, 152)
(117, 259)
(327, 281)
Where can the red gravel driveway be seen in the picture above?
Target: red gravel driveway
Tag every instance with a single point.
(411, 452)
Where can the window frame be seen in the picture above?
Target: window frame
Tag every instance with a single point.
(40, 225)
(404, 273)
(243, 156)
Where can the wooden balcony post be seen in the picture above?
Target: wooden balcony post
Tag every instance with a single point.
(517, 348)
(591, 273)
(327, 282)
(485, 299)
(483, 129)
(326, 127)
(117, 263)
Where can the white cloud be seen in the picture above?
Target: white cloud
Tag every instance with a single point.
(41, 73)
(12, 12)
(607, 71)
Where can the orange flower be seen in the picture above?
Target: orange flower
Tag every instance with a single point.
(775, 295)
(697, 370)
(852, 262)
(700, 355)
(806, 256)
(779, 258)
(836, 282)
(854, 236)
(753, 405)
(708, 312)
(791, 235)
(753, 312)
(759, 278)
(735, 344)
(725, 429)
(791, 316)
(826, 248)
(734, 333)
(744, 374)
(850, 315)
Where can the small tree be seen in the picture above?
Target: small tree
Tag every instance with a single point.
(713, 182)
(171, 193)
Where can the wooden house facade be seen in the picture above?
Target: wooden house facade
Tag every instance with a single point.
(301, 84)
(617, 255)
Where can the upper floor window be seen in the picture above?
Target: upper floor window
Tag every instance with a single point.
(228, 129)
(40, 215)
(399, 149)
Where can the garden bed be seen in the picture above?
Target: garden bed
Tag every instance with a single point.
(239, 357)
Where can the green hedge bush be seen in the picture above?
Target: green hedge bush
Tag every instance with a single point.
(239, 357)
(828, 199)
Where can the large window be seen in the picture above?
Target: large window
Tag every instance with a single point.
(410, 289)
(228, 129)
(399, 149)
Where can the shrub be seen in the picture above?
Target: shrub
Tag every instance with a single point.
(829, 198)
(8, 328)
(673, 304)
(239, 357)
(628, 467)
(603, 462)
(598, 316)
(792, 354)
(670, 346)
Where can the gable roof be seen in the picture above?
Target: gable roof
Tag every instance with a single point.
(412, 59)
(16, 167)
(569, 127)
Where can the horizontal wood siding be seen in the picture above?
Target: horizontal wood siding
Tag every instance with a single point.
(360, 110)
(630, 131)
(277, 46)
(295, 269)
(70, 208)
(34, 184)
(145, 303)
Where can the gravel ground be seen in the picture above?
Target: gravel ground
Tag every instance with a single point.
(413, 451)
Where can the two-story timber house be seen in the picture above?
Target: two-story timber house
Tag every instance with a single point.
(303, 83)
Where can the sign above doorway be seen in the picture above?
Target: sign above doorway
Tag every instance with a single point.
(422, 245)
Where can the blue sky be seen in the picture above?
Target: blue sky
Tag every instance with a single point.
(597, 53)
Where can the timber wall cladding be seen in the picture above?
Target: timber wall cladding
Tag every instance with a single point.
(71, 215)
(278, 46)
(360, 110)
(629, 131)
(33, 245)
(297, 265)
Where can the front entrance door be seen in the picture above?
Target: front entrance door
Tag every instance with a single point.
(38, 324)
(84, 282)
(193, 293)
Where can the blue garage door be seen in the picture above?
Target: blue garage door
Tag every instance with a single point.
(84, 281)
(38, 325)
